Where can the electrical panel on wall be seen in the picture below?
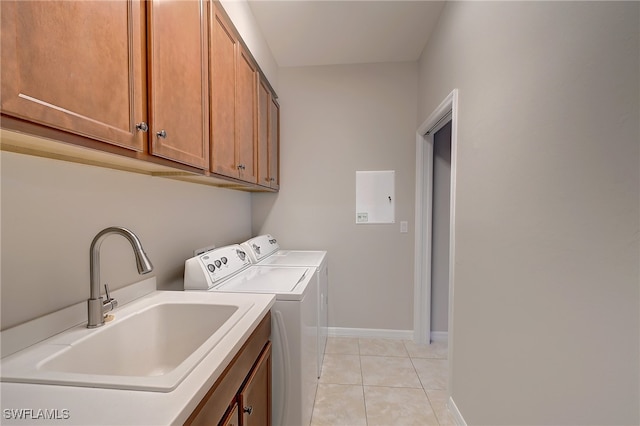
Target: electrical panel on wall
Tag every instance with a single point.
(375, 197)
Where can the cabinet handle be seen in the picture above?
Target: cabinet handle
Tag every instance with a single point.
(162, 134)
(241, 167)
(142, 127)
(248, 410)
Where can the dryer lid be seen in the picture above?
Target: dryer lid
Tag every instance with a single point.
(295, 258)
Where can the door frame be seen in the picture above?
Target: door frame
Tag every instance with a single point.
(424, 216)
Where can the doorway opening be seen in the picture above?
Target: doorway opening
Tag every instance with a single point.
(427, 274)
(440, 230)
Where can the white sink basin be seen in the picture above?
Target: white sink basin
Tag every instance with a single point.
(151, 344)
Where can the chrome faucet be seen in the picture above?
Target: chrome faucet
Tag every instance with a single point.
(97, 307)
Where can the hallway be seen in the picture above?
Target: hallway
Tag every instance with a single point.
(382, 382)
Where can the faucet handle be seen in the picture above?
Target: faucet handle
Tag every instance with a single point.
(106, 290)
(109, 304)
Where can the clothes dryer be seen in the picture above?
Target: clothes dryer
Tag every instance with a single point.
(293, 325)
(264, 250)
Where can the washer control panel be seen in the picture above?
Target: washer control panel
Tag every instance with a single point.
(210, 269)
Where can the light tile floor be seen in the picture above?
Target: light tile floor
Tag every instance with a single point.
(382, 382)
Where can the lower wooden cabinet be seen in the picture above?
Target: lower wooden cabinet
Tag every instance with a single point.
(255, 399)
(232, 418)
(242, 394)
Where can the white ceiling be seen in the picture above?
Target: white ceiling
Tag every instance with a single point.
(306, 33)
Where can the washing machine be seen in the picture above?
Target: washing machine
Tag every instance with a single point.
(264, 250)
(294, 319)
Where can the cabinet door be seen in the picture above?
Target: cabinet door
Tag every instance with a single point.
(255, 396)
(223, 85)
(274, 144)
(232, 418)
(246, 117)
(264, 101)
(76, 66)
(179, 81)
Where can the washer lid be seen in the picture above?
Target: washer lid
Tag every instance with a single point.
(268, 279)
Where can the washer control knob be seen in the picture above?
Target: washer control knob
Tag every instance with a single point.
(241, 254)
(224, 260)
(210, 267)
(218, 263)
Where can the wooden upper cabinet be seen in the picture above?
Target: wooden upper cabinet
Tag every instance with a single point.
(268, 140)
(222, 60)
(179, 75)
(159, 78)
(233, 103)
(274, 144)
(264, 100)
(76, 66)
(246, 117)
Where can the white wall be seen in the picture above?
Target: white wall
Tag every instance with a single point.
(546, 302)
(240, 14)
(337, 120)
(51, 210)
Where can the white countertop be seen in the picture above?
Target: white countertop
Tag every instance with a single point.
(23, 403)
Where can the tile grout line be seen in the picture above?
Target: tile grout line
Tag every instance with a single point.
(364, 398)
(423, 388)
(413, 360)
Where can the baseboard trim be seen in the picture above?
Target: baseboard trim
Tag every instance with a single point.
(439, 336)
(370, 333)
(457, 416)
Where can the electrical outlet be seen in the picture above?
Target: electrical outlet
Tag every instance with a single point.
(404, 226)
